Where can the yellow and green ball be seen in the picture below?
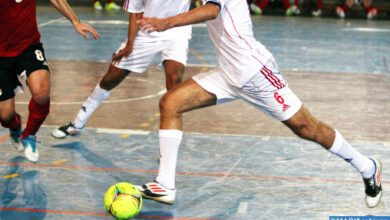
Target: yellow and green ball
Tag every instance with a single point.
(123, 201)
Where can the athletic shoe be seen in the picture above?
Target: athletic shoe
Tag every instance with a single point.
(316, 13)
(97, 6)
(340, 12)
(293, 10)
(372, 13)
(15, 137)
(112, 6)
(158, 192)
(65, 130)
(255, 9)
(373, 185)
(198, 4)
(30, 145)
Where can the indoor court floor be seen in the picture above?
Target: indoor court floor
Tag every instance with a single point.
(234, 162)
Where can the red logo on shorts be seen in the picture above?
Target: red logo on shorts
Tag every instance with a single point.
(285, 107)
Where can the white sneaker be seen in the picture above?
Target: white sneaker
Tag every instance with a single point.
(293, 10)
(30, 148)
(340, 12)
(65, 130)
(372, 13)
(97, 6)
(255, 9)
(158, 192)
(316, 13)
(112, 6)
(373, 185)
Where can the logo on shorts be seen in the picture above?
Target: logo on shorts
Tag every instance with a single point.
(1, 92)
(285, 107)
(18, 1)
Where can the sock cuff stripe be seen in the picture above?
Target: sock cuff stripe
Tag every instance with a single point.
(170, 133)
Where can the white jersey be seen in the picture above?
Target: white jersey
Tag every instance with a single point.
(160, 9)
(240, 55)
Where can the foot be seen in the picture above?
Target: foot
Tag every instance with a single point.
(255, 9)
(30, 147)
(15, 137)
(65, 130)
(373, 185)
(293, 10)
(316, 13)
(97, 6)
(340, 12)
(372, 13)
(158, 192)
(112, 6)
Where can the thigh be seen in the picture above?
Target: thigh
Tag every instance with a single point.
(39, 83)
(189, 95)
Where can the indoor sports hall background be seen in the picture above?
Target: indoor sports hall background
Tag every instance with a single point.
(234, 162)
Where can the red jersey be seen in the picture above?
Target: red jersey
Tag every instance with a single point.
(18, 26)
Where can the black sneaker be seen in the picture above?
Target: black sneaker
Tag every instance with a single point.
(373, 185)
(65, 130)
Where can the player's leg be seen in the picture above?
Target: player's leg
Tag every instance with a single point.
(306, 126)
(8, 117)
(173, 73)
(138, 61)
(101, 92)
(185, 97)
(371, 11)
(174, 59)
(11, 120)
(39, 107)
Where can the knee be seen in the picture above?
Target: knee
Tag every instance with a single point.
(6, 116)
(167, 106)
(41, 96)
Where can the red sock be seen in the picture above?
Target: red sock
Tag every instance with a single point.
(13, 124)
(95, 1)
(109, 1)
(37, 114)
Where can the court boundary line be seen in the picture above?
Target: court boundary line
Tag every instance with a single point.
(223, 175)
(94, 213)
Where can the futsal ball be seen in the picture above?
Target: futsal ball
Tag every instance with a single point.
(123, 201)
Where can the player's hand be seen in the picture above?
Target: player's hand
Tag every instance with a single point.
(152, 24)
(125, 52)
(82, 28)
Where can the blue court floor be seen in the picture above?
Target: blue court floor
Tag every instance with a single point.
(220, 175)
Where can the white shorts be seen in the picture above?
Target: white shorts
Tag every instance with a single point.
(143, 53)
(280, 102)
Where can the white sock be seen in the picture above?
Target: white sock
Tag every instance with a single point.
(93, 101)
(169, 147)
(344, 150)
